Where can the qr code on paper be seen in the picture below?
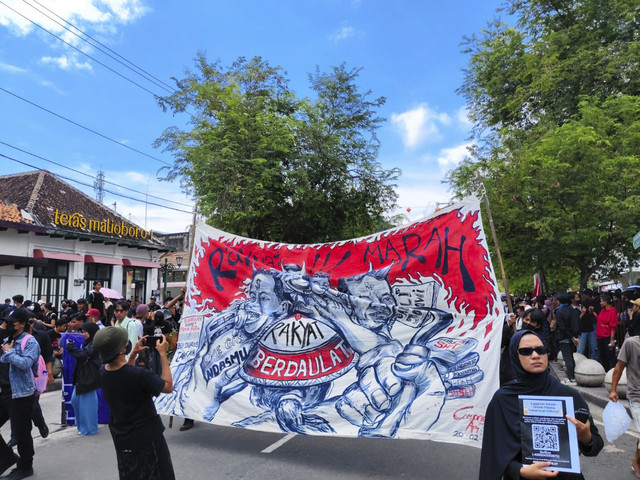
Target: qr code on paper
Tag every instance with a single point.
(545, 437)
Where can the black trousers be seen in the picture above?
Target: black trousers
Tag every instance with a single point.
(20, 412)
(150, 462)
(567, 356)
(36, 413)
(607, 356)
(5, 402)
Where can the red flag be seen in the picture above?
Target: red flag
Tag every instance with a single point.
(537, 285)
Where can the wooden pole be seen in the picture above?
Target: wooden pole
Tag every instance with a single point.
(495, 242)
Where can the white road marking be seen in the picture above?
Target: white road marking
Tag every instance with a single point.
(279, 443)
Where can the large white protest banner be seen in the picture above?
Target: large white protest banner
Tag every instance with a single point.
(392, 335)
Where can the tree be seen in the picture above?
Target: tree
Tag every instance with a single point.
(555, 104)
(264, 164)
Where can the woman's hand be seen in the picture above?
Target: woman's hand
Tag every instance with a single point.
(7, 346)
(535, 471)
(583, 429)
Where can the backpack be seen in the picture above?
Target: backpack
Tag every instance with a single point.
(38, 371)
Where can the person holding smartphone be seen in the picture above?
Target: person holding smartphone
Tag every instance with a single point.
(136, 427)
(501, 456)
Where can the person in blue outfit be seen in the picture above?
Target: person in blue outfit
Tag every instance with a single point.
(86, 381)
(23, 389)
(501, 443)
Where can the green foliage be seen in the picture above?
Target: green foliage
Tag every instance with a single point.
(264, 164)
(556, 101)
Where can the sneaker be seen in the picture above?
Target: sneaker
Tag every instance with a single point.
(44, 431)
(20, 473)
(569, 381)
(12, 443)
(9, 462)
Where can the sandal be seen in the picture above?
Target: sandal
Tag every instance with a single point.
(637, 474)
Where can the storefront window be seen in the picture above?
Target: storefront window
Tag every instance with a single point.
(50, 282)
(134, 283)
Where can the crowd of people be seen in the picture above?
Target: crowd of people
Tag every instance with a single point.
(592, 324)
(33, 329)
(602, 326)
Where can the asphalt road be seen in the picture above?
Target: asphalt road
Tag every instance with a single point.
(210, 452)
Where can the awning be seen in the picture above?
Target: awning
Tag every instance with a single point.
(140, 263)
(69, 257)
(22, 261)
(106, 260)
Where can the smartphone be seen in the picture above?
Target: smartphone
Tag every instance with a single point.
(152, 341)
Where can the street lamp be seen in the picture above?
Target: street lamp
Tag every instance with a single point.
(179, 261)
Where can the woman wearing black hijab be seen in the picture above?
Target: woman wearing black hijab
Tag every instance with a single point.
(501, 444)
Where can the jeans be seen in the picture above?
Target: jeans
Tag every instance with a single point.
(20, 412)
(590, 339)
(567, 356)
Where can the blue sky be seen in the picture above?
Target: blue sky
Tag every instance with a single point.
(409, 52)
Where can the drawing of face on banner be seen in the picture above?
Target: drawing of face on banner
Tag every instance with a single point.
(387, 335)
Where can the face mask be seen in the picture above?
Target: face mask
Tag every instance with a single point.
(528, 326)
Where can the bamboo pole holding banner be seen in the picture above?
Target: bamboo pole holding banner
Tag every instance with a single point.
(495, 242)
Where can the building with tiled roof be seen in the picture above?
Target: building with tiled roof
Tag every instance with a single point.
(55, 241)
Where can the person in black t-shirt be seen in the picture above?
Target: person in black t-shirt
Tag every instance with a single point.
(135, 426)
(96, 299)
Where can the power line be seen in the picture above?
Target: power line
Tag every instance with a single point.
(82, 173)
(144, 73)
(91, 186)
(82, 126)
(80, 51)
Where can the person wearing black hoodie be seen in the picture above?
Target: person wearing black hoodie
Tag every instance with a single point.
(86, 381)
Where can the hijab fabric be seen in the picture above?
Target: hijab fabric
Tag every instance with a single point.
(501, 442)
(91, 328)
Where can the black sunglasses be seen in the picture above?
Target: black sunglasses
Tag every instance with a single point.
(527, 351)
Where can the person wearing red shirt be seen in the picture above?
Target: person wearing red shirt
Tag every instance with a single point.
(606, 332)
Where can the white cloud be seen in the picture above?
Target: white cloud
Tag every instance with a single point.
(418, 201)
(68, 62)
(420, 125)
(451, 157)
(5, 67)
(462, 115)
(88, 15)
(343, 33)
(136, 177)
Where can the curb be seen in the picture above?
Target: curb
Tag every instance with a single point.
(596, 395)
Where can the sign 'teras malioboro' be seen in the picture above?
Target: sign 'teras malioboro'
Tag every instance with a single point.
(392, 335)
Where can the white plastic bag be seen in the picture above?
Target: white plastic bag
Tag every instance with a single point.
(616, 420)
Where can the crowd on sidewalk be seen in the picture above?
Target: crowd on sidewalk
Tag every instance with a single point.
(604, 327)
(594, 325)
(32, 332)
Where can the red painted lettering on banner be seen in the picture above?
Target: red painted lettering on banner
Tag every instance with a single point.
(446, 248)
